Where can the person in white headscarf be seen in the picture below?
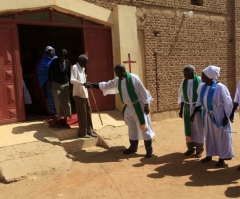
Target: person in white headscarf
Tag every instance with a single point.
(215, 99)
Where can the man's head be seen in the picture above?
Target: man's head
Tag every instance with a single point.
(62, 54)
(50, 51)
(189, 71)
(120, 71)
(82, 60)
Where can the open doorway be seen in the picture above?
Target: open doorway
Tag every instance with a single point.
(33, 39)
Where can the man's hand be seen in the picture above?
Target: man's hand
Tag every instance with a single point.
(146, 109)
(231, 117)
(192, 117)
(87, 85)
(180, 114)
(225, 121)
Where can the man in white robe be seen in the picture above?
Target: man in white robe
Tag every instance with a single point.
(217, 106)
(236, 104)
(195, 140)
(136, 130)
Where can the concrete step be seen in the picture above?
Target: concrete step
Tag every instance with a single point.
(65, 134)
(77, 144)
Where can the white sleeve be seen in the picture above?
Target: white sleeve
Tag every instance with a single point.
(227, 100)
(199, 92)
(180, 93)
(140, 90)
(236, 98)
(74, 76)
(110, 87)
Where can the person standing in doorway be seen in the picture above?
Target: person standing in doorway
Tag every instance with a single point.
(58, 80)
(80, 96)
(42, 73)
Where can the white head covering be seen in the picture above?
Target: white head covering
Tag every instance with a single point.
(49, 48)
(212, 72)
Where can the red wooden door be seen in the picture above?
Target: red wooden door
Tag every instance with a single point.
(98, 47)
(11, 92)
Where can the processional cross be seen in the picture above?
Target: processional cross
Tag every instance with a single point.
(129, 62)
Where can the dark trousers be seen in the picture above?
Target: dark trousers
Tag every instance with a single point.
(194, 145)
(84, 114)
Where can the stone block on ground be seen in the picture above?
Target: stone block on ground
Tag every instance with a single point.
(116, 138)
(65, 134)
(73, 145)
(39, 157)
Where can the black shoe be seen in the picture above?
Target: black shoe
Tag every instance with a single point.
(129, 150)
(84, 136)
(206, 159)
(188, 152)
(148, 147)
(220, 163)
(92, 134)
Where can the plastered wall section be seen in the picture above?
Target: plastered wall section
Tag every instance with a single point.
(125, 40)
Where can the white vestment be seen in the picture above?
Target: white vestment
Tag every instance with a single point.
(197, 134)
(130, 116)
(218, 142)
(237, 96)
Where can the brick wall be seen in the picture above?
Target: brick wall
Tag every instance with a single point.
(172, 41)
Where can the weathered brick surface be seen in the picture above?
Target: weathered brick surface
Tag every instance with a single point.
(210, 37)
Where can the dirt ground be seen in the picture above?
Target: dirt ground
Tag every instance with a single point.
(100, 173)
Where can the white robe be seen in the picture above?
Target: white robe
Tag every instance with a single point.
(237, 96)
(197, 134)
(218, 142)
(130, 116)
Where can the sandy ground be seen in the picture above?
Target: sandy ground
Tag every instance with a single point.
(100, 173)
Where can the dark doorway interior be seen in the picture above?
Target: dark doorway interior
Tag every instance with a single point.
(37, 38)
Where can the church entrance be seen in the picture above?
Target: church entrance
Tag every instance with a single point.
(30, 32)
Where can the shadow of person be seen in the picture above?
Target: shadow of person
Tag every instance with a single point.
(39, 131)
(98, 156)
(223, 176)
(176, 165)
(233, 192)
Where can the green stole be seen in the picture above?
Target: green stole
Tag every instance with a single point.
(187, 122)
(133, 97)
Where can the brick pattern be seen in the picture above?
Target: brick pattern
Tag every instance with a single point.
(173, 41)
(217, 6)
(237, 39)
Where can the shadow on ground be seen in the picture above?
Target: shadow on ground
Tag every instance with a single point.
(177, 165)
(114, 154)
(39, 131)
(233, 192)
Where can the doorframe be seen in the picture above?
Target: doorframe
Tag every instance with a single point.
(20, 104)
(17, 70)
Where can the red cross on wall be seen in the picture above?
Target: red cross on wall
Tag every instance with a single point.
(129, 62)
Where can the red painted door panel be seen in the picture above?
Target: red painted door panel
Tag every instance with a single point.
(10, 78)
(98, 47)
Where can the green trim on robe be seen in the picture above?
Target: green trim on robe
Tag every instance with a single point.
(133, 96)
(187, 122)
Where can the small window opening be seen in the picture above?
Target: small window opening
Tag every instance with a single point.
(197, 2)
(11, 16)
